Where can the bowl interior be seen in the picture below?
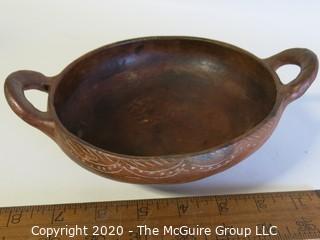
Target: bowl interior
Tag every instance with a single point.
(153, 97)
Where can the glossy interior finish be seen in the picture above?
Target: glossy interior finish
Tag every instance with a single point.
(164, 96)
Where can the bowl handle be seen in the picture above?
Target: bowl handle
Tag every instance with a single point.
(308, 63)
(14, 87)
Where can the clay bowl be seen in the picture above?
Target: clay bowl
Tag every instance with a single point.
(162, 109)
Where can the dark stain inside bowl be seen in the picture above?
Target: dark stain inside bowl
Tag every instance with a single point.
(160, 97)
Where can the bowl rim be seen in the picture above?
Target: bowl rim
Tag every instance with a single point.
(57, 79)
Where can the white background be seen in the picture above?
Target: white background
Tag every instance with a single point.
(47, 35)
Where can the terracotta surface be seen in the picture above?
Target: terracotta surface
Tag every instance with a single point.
(162, 109)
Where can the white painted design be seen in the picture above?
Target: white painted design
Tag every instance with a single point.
(168, 167)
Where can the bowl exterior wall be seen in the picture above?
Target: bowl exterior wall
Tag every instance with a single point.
(166, 169)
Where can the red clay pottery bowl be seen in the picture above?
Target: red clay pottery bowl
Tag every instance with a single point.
(162, 109)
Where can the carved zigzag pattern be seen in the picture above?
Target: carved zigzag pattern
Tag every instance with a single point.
(167, 167)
